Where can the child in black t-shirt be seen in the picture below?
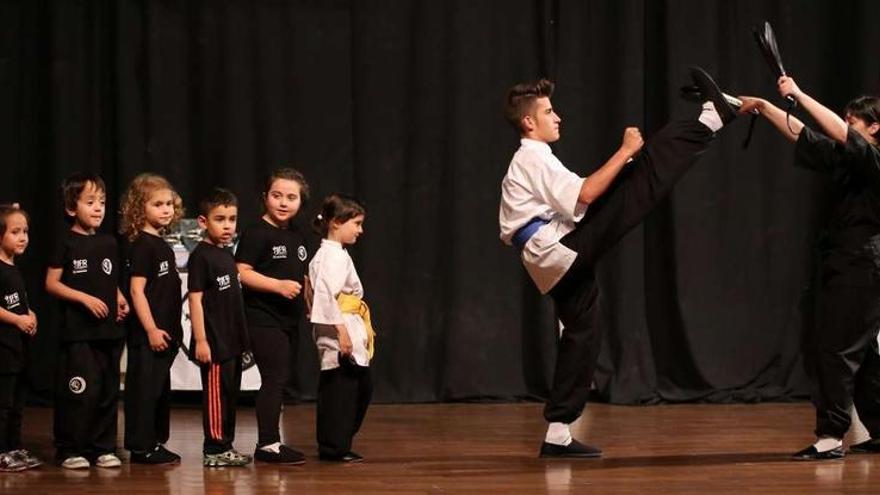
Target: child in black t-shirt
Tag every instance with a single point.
(18, 324)
(271, 257)
(83, 275)
(149, 208)
(219, 332)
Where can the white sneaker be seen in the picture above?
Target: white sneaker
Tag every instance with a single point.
(108, 461)
(76, 462)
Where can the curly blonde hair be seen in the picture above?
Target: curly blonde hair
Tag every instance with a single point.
(132, 210)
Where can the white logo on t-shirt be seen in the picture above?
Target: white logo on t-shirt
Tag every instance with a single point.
(77, 385)
(223, 282)
(80, 266)
(107, 266)
(301, 253)
(163, 268)
(12, 300)
(279, 252)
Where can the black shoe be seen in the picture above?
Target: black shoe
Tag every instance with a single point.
(710, 92)
(349, 457)
(285, 455)
(692, 94)
(173, 455)
(573, 450)
(159, 455)
(811, 454)
(871, 446)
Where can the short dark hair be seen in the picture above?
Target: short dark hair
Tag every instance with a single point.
(866, 108)
(217, 197)
(338, 207)
(288, 173)
(7, 211)
(73, 186)
(521, 99)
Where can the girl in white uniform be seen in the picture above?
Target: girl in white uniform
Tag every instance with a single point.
(342, 330)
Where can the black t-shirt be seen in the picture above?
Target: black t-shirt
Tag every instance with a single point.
(13, 298)
(89, 264)
(149, 256)
(212, 271)
(279, 253)
(850, 244)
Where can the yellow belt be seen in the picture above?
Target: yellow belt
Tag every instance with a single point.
(349, 303)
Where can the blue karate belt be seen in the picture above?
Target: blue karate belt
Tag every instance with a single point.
(522, 236)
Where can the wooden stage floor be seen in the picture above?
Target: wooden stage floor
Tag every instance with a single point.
(479, 448)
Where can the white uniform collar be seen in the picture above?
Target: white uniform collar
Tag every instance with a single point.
(331, 244)
(535, 145)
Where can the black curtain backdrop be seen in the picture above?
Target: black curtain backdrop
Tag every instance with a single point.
(399, 103)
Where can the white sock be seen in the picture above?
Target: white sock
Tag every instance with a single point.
(558, 434)
(824, 444)
(710, 118)
(272, 447)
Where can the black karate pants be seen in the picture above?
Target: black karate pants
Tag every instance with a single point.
(344, 394)
(13, 393)
(86, 398)
(292, 388)
(632, 196)
(271, 348)
(148, 397)
(220, 385)
(842, 360)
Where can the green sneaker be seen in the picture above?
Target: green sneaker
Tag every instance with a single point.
(229, 458)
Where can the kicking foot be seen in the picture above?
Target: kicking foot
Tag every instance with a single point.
(712, 93)
(692, 93)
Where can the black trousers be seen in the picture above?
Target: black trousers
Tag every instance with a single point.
(86, 398)
(13, 393)
(292, 389)
(632, 196)
(344, 394)
(271, 348)
(148, 397)
(220, 385)
(842, 360)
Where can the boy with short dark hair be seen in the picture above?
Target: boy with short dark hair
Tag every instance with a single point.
(83, 275)
(219, 331)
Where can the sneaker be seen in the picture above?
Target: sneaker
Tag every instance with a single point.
(76, 462)
(10, 463)
(108, 461)
(27, 457)
(229, 458)
(285, 455)
(159, 455)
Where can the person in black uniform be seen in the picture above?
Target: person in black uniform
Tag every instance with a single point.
(219, 332)
(83, 275)
(841, 353)
(271, 258)
(18, 325)
(149, 208)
